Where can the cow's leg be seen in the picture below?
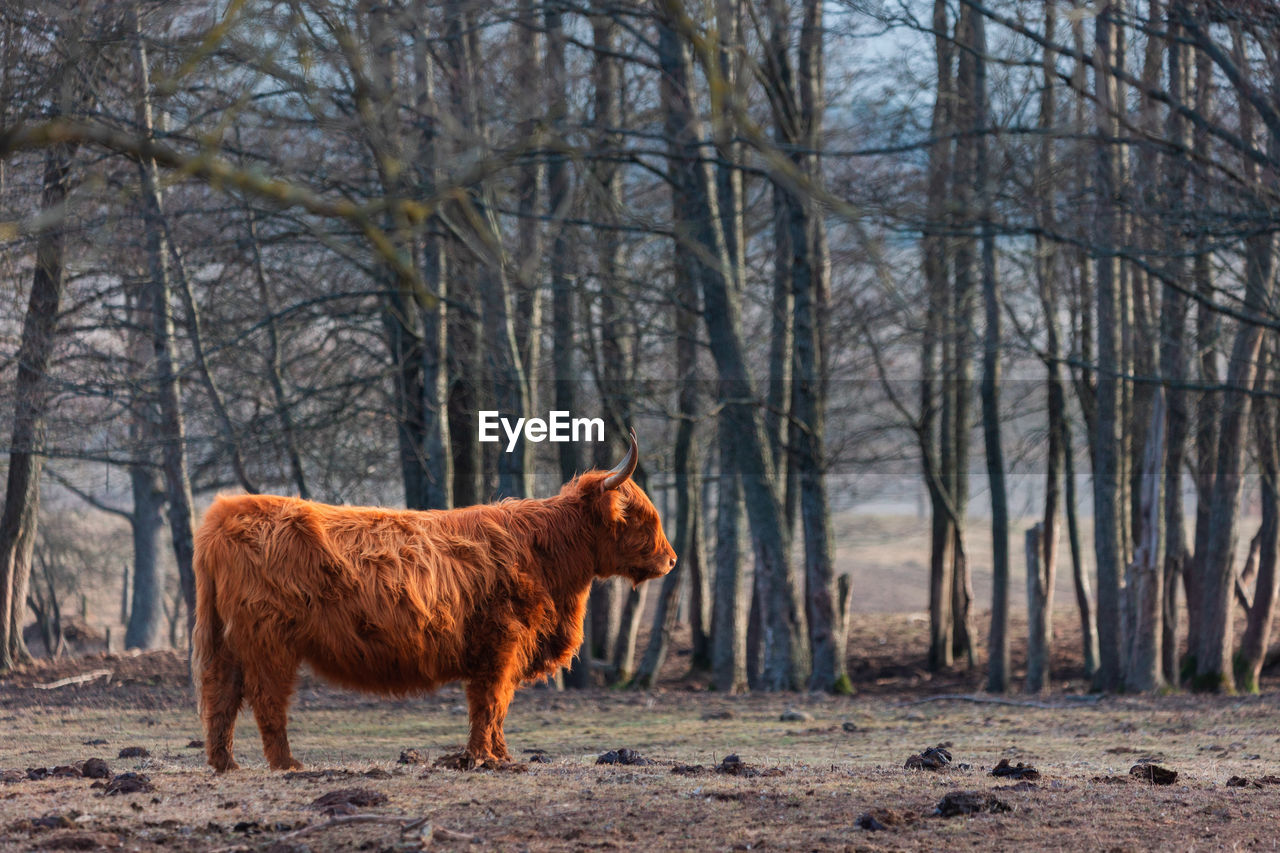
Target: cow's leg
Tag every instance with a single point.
(488, 700)
(221, 694)
(268, 683)
(497, 738)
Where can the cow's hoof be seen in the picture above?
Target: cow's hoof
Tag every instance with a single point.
(291, 764)
(224, 766)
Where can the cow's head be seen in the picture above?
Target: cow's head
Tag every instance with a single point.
(631, 541)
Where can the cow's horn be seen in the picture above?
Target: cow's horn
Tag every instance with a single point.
(626, 467)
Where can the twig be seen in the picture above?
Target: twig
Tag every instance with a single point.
(995, 700)
(75, 679)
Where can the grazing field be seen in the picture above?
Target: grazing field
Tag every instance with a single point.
(811, 770)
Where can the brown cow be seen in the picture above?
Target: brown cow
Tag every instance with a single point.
(397, 602)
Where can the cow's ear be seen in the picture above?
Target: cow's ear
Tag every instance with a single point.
(612, 505)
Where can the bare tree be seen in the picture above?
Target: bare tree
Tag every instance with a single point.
(39, 334)
(786, 663)
(1106, 443)
(181, 509)
(934, 258)
(1249, 660)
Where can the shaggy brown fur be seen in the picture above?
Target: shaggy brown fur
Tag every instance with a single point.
(396, 601)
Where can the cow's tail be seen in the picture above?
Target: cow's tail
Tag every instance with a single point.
(207, 637)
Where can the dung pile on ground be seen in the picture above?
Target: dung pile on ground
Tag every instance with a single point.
(127, 783)
(1154, 773)
(934, 758)
(970, 802)
(881, 819)
(92, 768)
(1260, 782)
(732, 765)
(345, 801)
(95, 768)
(622, 756)
(688, 769)
(1019, 771)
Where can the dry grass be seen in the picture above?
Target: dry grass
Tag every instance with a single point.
(844, 762)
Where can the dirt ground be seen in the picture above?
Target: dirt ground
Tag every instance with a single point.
(813, 771)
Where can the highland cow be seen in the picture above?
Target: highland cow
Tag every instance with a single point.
(399, 602)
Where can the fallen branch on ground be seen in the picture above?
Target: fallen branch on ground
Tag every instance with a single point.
(75, 679)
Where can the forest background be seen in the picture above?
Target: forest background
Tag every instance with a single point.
(1005, 270)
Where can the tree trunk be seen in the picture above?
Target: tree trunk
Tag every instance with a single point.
(402, 328)
(934, 258)
(169, 392)
(1213, 653)
(700, 583)
(438, 463)
(1257, 635)
(1040, 584)
(466, 341)
(625, 655)
(379, 99)
(786, 661)
(274, 359)
(684, 298)
(631, 615)
(542, 82)
(1144, 661)
(781, 341)
(963, 336)
(1206, 341)
(1085, 394)
(729, 616)
(1079, 571)
(562, 316)
(145, 628)
(998, 643)
(1039, 606)
(807, 392)
(31, 400)
(500, 363)
(434, 320)
(1107, 436)
(729, 189)
(617, 338)
(1173, 356)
